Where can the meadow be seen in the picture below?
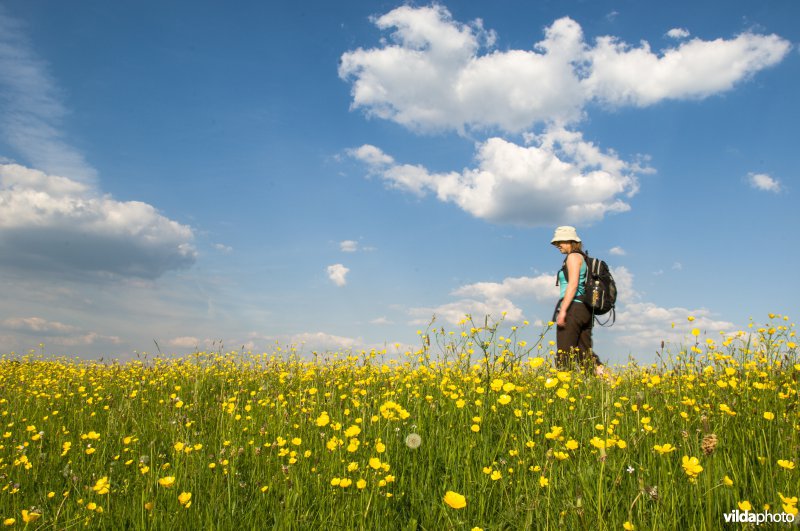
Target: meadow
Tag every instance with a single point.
(475, 429)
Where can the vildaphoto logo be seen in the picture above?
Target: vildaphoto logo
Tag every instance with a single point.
(749, 517)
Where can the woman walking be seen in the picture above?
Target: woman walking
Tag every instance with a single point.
(573, 319)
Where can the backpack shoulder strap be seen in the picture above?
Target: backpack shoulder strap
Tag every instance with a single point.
(564, 265)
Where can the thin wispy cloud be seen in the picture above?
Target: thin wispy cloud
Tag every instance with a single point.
(348, 246)
(32, 107)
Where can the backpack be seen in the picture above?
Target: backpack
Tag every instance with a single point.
(600, 290)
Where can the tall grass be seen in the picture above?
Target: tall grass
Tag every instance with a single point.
(322, 441)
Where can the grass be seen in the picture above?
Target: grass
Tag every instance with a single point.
(282, 441)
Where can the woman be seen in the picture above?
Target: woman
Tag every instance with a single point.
(574, 318)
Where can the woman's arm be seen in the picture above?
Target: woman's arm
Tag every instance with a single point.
(574, 261)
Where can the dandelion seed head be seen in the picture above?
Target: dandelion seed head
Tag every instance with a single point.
(413, 440)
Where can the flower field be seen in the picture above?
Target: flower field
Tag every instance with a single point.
(475, 429)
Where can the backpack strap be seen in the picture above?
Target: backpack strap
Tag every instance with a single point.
(586, 259)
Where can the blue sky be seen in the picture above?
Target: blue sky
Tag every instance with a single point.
(332, 176)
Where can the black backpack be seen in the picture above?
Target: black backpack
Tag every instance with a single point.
(600, 290)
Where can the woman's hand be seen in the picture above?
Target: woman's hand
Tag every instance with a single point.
(561, 321)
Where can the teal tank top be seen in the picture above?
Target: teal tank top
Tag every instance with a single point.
(562, 281)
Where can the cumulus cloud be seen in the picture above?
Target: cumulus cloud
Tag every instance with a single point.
(184, 342)
(624, 75)
(491, 298)
(762, 181)
(338, 274)
(348, 246)
(57, 224)
(559, 178)
(435, 73)
(645, 325)
(541, 287)
(639, 324)
(617, 251)
(678, 33)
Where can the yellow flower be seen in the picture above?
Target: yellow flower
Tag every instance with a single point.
(102, 486)
(504, 399)
(380, 447)
(166, 481)
(149, 506)
(323, 419)
(361, 483)
(29, 517)
(784, 463)
(475, 427)
(554, 432)
(745, 506)
(185, 498)
(543, 481)
(627, 526)
(496, 475)
(769, 415)
(352, 431)
(9, 521)
(691, 465)
(374, 463)
(728, 482)
(572, 444)
(455, 500)
(664, 448)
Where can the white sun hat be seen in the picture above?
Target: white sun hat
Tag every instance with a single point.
(565, 234)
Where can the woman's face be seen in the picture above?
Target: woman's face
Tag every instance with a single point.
(564, 247)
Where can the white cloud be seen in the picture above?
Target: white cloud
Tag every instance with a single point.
(624, 75)
(678, 33)
(559, 179)
(436, 73)
(645, 325)
(762, 181)
(454, 312)
(338, 273)
(53, 223)
(31, 110)
(184, 342)
(324, 341)
(227, 249)
(542, 288)
(381, 321)
(677, 266)
(38, 329)
(491, 298)
(639, 324)
(348, 246)
(617, 251)
(37, 325)
(624, 282)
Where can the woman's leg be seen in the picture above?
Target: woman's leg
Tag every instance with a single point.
(571, 339)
